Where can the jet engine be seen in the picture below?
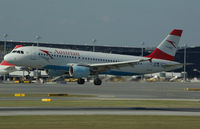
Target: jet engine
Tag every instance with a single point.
(79, 71)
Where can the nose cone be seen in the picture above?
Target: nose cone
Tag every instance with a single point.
(9, 58)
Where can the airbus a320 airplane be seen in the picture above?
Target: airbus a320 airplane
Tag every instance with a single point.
(81, 64)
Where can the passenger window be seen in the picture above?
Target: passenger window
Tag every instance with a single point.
(156, 64)
(18, 52)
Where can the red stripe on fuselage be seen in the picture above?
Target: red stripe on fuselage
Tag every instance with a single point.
(158, 54)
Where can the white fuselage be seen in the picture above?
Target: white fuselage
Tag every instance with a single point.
(62, 59)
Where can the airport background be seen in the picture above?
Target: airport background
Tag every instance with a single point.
(192, 53)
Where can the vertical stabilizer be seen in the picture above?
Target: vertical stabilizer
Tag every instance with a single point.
(166, 50)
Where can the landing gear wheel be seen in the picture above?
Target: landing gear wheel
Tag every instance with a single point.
(97, 81)
(81, 81)
(28, 77)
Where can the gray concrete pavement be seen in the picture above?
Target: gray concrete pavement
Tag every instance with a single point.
(116, 90)
(129, 90)
(100, 111)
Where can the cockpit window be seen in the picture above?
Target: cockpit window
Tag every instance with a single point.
(19, 52)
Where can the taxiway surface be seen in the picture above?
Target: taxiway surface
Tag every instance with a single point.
(119, 90)
(115, 90)
(99, 111)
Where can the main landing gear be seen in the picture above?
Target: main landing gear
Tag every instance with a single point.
(97, 81)
(81, 81)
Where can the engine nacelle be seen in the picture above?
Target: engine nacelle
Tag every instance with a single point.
(79, 71)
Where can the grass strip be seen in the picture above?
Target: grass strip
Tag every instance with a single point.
(99, 122)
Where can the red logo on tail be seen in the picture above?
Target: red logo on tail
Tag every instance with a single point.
(172, 43)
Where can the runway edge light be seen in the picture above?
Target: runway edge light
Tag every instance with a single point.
(191, 89)
(19, 95)
(46, 100)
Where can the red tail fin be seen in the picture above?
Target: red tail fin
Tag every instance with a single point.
(17, 46)
(167, 48)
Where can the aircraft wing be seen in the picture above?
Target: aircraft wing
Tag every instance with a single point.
(102, 67)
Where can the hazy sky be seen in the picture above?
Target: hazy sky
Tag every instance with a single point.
(111, 22)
